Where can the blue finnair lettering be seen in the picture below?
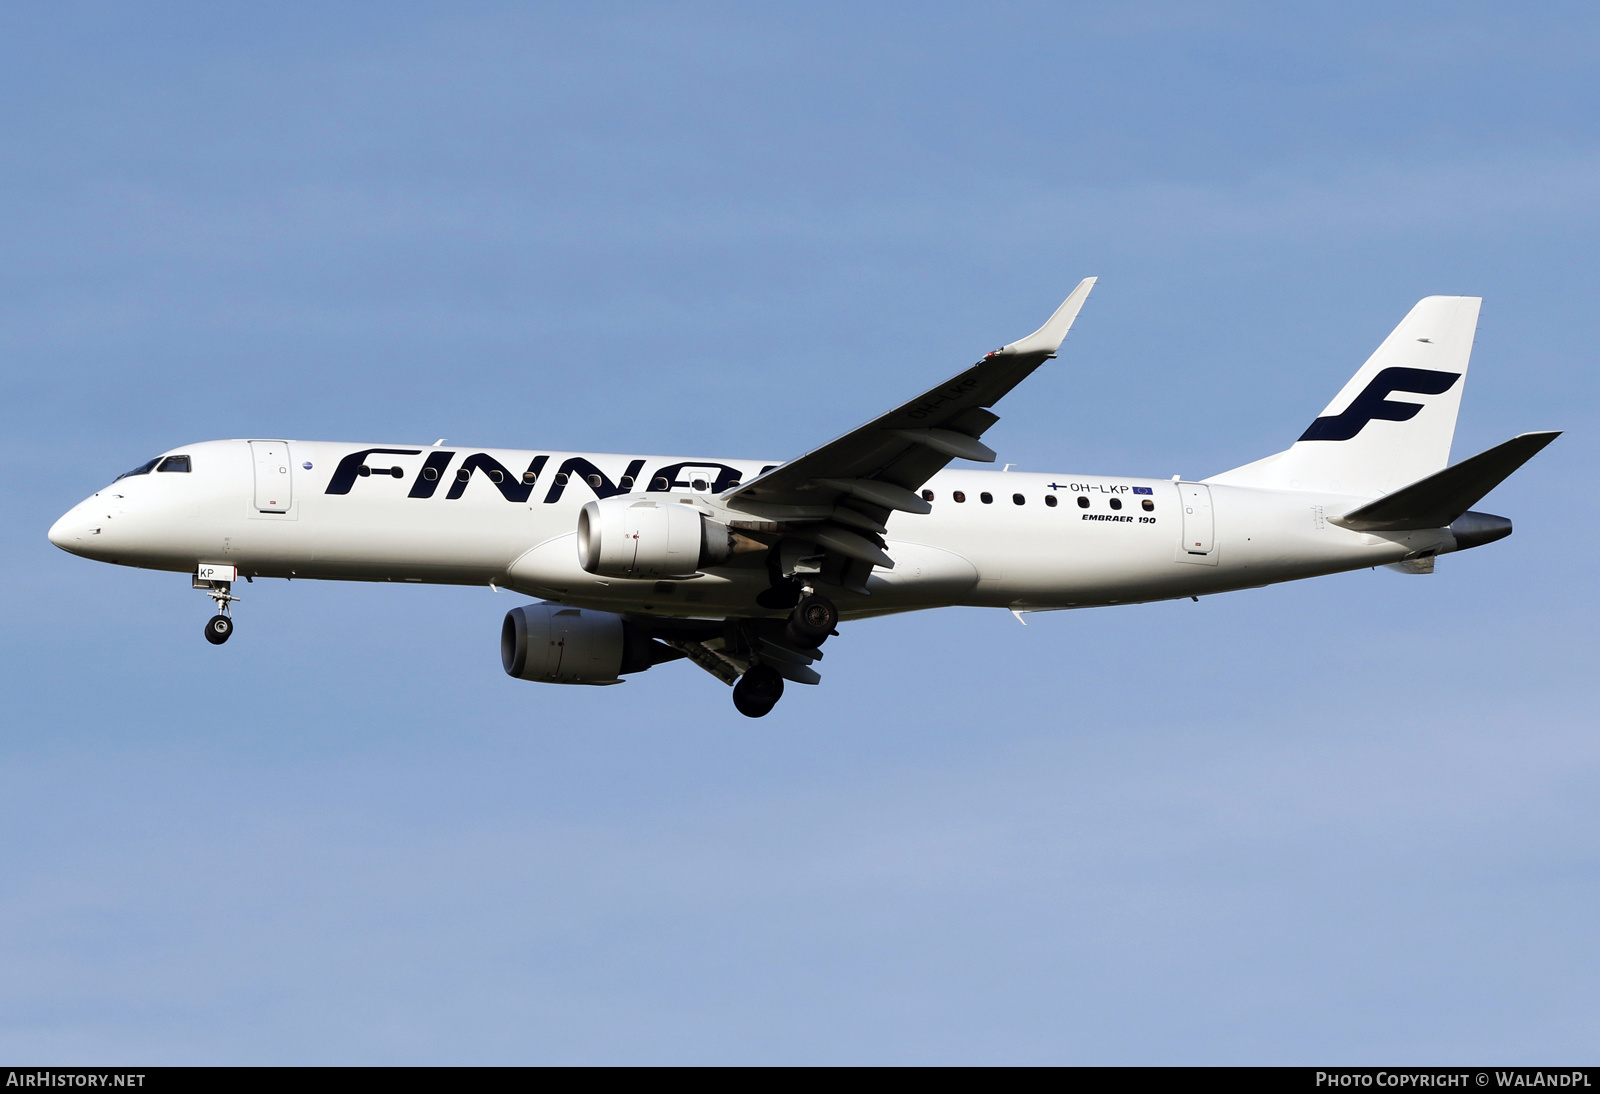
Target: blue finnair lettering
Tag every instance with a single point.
(344, 476)
(428, 478)
(574, 471)
(671, 474)
(511, 488)
(1373, 402)
(591, 476)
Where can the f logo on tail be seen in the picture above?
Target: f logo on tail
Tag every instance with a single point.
(1373, 402)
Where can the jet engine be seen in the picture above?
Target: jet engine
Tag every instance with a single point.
(557, 645)
(630, 537)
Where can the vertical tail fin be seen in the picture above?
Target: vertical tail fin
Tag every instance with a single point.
(1368, 441)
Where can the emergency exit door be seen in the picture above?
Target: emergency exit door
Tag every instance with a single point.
(699, 480)
(1199, 527)
(274, 479)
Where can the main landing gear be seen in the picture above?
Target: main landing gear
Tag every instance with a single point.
(813, 620)
(758, 691)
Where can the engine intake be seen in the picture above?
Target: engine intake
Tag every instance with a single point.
(629, 537)
(553, 644)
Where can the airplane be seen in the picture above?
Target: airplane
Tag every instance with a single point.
(746, 567)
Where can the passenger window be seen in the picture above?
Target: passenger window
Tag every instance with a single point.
(1018, 499)
(1050, 500)
(958, 496)
(595, 481)
(529, 477)
(494, 476)
(174, 463)
(1083, 502)
(1116, 503)
(430, 473)
(1148, 505)
(462, 474)
(927, 495)
(986, 497)
(697, 484)
(561, 479)
(626, 482)
(658, 483)
(142, 469)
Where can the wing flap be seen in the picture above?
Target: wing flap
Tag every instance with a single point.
(885, 495)
(952, 444)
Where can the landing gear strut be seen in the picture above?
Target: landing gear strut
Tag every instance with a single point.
(757, 691)
(219, 628)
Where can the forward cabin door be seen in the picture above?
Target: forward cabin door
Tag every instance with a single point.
(274, 479)
(1199, 526)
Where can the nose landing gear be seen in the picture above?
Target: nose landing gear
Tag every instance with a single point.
(219, 628)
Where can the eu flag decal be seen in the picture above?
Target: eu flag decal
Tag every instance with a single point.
(1141, 490)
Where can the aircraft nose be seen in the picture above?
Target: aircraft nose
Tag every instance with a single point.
(67, 533)
(61, 532)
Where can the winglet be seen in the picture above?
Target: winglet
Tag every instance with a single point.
(1048, 338)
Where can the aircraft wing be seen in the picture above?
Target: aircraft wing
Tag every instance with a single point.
(844, 491)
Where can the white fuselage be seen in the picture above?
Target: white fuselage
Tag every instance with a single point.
(1107, 540)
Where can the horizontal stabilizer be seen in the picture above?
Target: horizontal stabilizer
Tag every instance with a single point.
(1436, 501)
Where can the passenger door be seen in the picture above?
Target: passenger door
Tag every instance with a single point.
(274, 477)
(1199, 526)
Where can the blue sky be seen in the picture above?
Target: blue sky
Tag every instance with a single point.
(1351, 820)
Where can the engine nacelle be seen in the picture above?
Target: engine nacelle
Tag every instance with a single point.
(558, 645)
(649, 538)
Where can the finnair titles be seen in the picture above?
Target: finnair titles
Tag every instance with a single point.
(746, 567)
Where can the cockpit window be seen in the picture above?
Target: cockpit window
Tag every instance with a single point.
(142, 469)
(174, 463)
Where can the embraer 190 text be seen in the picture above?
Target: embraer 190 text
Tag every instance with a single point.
(745, 568)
